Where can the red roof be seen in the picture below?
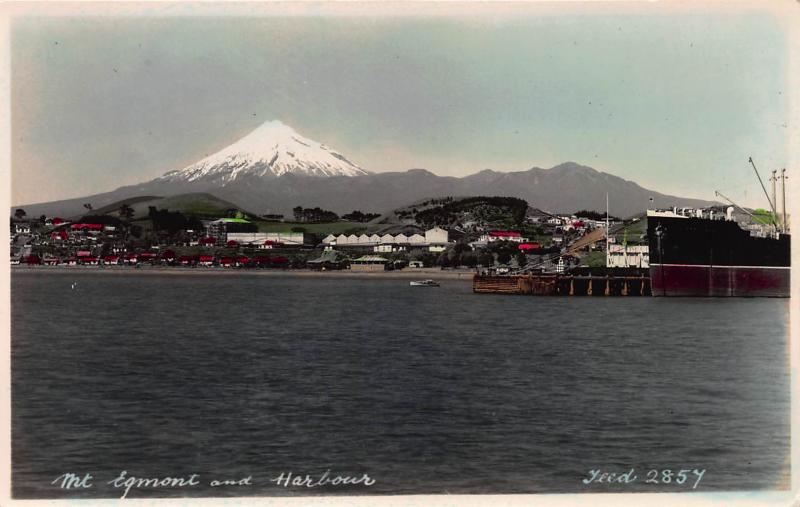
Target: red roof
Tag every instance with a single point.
(57, 220)
(232, 243)
(147, 255)
(243, 259)
(206, 258)
(83, 253)
(93, 227)
(529, 246)
(168, 254)
(226, 260)
(59, 235)
(505, 234)
(111, 258)
(33, 259)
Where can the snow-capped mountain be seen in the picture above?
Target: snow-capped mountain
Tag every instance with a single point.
(272, 149)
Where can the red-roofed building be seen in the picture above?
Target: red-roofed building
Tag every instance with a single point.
(148, 257)
(206, 260)
(232, 244)
(261, 260)
(227, 261)
(208, 241)
(33, 260)
(186, 260)
(131, 258)
(61, 235)
(111, 259)
(50, 261)
(529, 246)
(242, 260)
(87, 227)
(168, 255)
(88, 260)
(57, 221)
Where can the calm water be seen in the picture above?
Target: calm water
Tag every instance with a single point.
(426, 390)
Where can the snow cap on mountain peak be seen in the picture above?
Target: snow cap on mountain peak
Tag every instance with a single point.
(272, 149)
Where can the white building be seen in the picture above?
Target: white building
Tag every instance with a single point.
(436, 237)
(630, 256)
(260, 238)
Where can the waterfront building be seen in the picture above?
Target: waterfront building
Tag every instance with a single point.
(628, 256)
(369, 263)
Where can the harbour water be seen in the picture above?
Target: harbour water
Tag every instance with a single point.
(426, 390)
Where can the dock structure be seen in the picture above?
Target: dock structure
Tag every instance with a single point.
(562, 285)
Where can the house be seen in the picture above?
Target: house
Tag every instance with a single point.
(22, 228)
(227, 262)
(369, 263)
(60, 235)
(50, 261)
(111, 259)
(242, 260)
(492, 236)
(168, 256)
(416, 264)
(205, 260)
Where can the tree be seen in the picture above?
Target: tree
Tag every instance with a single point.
(298, 213)
(126, 212)
(486, 258)
(20, 213)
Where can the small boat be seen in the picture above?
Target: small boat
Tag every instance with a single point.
(424, 283)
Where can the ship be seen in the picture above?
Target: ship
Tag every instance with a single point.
(707, 252)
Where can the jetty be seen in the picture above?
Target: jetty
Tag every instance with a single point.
(626, 283)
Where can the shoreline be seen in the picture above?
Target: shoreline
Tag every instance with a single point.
(408, 273)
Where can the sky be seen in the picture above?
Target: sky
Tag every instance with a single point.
(675, 100)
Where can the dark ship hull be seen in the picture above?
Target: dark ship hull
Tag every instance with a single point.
(705, 257)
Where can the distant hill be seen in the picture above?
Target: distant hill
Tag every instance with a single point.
(197, 204)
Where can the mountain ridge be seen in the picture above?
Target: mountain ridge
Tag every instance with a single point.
(563, 188)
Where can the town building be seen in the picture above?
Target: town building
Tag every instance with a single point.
(369, 263)
(260, 239)
(628, 256)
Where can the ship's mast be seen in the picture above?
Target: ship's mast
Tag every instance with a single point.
(783, 191)
(774, 180)
(771, 203)
(607, 231)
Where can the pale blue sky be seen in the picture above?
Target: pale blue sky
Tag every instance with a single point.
(674, 102)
